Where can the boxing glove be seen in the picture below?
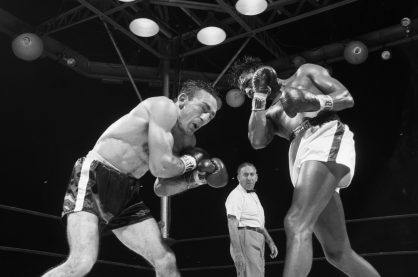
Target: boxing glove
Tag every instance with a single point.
(263, 82)
(191, 157)
(216, 173)
(296, 100)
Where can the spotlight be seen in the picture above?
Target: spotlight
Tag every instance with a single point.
(405, 22)
(28, 46)
(211, 32)
(356, 52)
(211, 35)
(70, 62)
(251, 7)
(144, 27)
(235, 98)
(386, 55)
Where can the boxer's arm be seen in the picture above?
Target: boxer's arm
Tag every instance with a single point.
(340, 95)
(260, 129)
(178, 184)
(163, 115)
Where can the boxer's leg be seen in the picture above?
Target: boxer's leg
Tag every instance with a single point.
(144, 238)
(332, 234)
(83, 239)
(314, 188)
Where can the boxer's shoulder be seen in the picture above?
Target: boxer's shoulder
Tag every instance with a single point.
(310, 68)
(160, 103)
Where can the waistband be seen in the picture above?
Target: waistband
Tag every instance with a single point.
(257, 229)
(318, 120)
(115, 172)
(96, 156)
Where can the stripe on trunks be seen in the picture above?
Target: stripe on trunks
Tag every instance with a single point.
(82, 184)
(336, 142)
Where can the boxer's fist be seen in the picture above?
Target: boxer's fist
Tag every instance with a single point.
(295, 100)
(218, 177)
(191, 157)
(264, 80)
(206, 166)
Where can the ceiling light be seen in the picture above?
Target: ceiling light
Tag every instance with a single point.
(211, 35)
(251, 7)
(126, 0)
(144, 27)
(386, 55)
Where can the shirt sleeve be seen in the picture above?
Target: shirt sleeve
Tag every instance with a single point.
(233, 205)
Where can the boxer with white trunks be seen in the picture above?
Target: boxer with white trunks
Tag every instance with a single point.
(302, 109)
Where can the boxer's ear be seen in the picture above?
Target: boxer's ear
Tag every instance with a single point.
(182, 99)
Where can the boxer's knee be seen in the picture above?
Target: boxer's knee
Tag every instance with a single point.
(79, 265)
(338, 256)
(166, 263)
(296, 227)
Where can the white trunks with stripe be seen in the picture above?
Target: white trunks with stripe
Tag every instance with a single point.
(324, 139)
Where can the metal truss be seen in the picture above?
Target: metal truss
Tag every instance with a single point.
(285, 18)
(281, 12)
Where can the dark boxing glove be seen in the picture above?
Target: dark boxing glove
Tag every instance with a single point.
(296, 100)
(215, 172)
(191, 157)
(263, 82)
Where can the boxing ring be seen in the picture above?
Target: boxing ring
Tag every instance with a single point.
(196, 240)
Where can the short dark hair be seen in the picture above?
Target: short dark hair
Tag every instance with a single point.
(241, 166)
(246, 64)
(190, 87)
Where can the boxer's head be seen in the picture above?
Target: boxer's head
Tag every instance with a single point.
(197, 103)
(247, 175)
(242, 72)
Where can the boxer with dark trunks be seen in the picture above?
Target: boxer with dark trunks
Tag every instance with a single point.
(303, 110)
(104, 189)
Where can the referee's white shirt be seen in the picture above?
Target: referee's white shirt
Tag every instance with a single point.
(246, 207)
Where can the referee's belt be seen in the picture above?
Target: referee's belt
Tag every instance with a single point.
(257, 229)
(318, 120)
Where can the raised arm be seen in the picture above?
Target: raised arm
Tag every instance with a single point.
(330, 86)
(163, 115)
(334, 97)
(260, 129)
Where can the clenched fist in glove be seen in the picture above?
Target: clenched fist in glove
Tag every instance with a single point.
(214, 172)
(264, 82)
(295, 100)
(191, 157)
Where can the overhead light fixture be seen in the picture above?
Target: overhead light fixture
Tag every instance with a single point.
(211, 32)
(144, 27)
(386, 55)
(251, 7)
(211, 35)
(126, 1)
(356, 52)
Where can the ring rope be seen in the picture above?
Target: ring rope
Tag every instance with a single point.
(356, 220)
(44, 253)
(24, 211)
(372, 254)
(50, 254)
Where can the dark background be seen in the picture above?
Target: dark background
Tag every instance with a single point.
(50, 116)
